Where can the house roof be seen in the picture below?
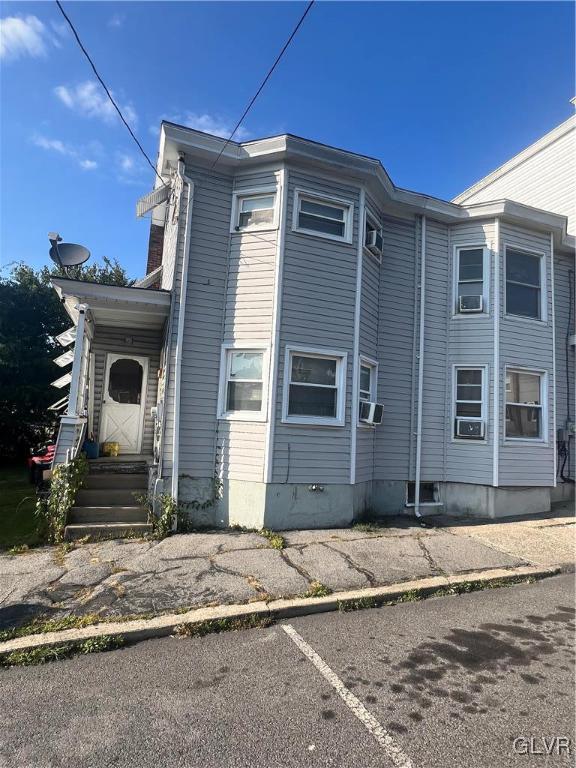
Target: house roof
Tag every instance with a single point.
(546, 140)
(203, 148)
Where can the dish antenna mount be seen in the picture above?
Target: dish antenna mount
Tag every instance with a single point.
(66, 254)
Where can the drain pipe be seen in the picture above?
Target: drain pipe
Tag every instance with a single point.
(420, 366)
(180, 331)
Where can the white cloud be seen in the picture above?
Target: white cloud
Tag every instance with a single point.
(126, 162)
(56, 145)
(116, 20)
(204, 122)
(22, 36)
(90, 100)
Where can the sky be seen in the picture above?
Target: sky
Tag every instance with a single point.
(441, 93)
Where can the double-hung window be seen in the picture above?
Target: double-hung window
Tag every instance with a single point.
(254, 211)
(524, 405)
(242, 385)
(314, 387)
(469, 403)
(523, 284)
(326, 217)
(367, 384)
(373, 240)
(471, 295)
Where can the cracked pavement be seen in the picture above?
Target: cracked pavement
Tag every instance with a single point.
(127, 577)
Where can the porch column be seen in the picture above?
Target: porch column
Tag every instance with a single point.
(77, 363)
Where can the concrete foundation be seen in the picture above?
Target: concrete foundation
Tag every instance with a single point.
(467, 500)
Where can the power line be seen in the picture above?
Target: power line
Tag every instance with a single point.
(263, 83)
(103, 84)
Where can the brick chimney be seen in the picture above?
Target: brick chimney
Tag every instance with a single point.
(155, 246)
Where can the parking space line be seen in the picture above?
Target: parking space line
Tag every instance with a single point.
(394, 752)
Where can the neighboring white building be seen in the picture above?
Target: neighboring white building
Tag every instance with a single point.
(542, 175)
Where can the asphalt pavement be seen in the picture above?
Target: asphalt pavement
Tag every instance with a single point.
(473, 681)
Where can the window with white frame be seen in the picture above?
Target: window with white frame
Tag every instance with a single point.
(322, 216)
(469, 403)
(523, 284)
(524, 405)
(367, 382)
(254, 211)
(242, 386)
(471, 295)
(314, 391)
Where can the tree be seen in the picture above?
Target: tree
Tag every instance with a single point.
(31, 316)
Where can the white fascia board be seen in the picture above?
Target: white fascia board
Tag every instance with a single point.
(546, 140)
(84, 290)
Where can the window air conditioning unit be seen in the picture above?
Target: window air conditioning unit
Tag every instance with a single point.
(473, 430)
(470, 303)
(374, 242)
(371, 413)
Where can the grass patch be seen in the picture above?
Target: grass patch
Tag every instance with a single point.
(275, 540)
(317, 589)
(42, 626)
(359, 604)
(369, 526)
(223, 625)
(17, 506)
(46, 654)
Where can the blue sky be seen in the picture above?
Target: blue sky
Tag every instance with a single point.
(441, 93)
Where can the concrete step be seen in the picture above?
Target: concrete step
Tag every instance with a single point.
(105, 530)
(119, 480)
(110, 514)
(109, 497)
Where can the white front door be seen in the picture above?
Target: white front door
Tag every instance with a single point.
(123, 401)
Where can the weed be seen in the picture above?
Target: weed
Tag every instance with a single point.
(19, 549)
(357, 605)
(41, 626)
(317, 589)
(275, 540)
(46, 654)
(366, 526)
(223, 625)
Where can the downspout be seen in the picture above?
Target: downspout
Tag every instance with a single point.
(420, 366)
(496, 374)
(180, 331)
(554, 432)
(356, 357)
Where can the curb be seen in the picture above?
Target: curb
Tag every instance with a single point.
(162, 626)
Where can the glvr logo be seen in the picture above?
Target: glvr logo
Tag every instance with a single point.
(542, 745)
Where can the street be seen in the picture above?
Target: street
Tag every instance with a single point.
(471, 681)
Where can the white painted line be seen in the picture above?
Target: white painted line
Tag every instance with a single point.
(368, 720)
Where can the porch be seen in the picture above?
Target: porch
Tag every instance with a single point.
(115, 349)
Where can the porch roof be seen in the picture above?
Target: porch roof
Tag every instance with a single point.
(119, 306)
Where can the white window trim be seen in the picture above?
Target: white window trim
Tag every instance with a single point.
(377, 225)
(485, 281)
(238, 194)
(341, 370)
(543, 374)
(237, 346)
(314, 197)
(543, 319)
(484, 412)
(373, 364)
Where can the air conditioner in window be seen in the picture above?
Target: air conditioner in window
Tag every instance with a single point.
(374, 241)
(472, 430)
(470, 303)
(371, 413)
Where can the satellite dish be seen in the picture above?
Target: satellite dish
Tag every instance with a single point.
(67, 254)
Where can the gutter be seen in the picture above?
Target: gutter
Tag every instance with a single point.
(180, 332)
(420, 366)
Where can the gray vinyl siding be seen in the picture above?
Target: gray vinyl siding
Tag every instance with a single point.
(565, 325)
(435, 425)
(317, 310)
(145, 343)
(248, 320)
(397, 319)
(528, 344)
(470, 343)
(369, 315)
(203, 322)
